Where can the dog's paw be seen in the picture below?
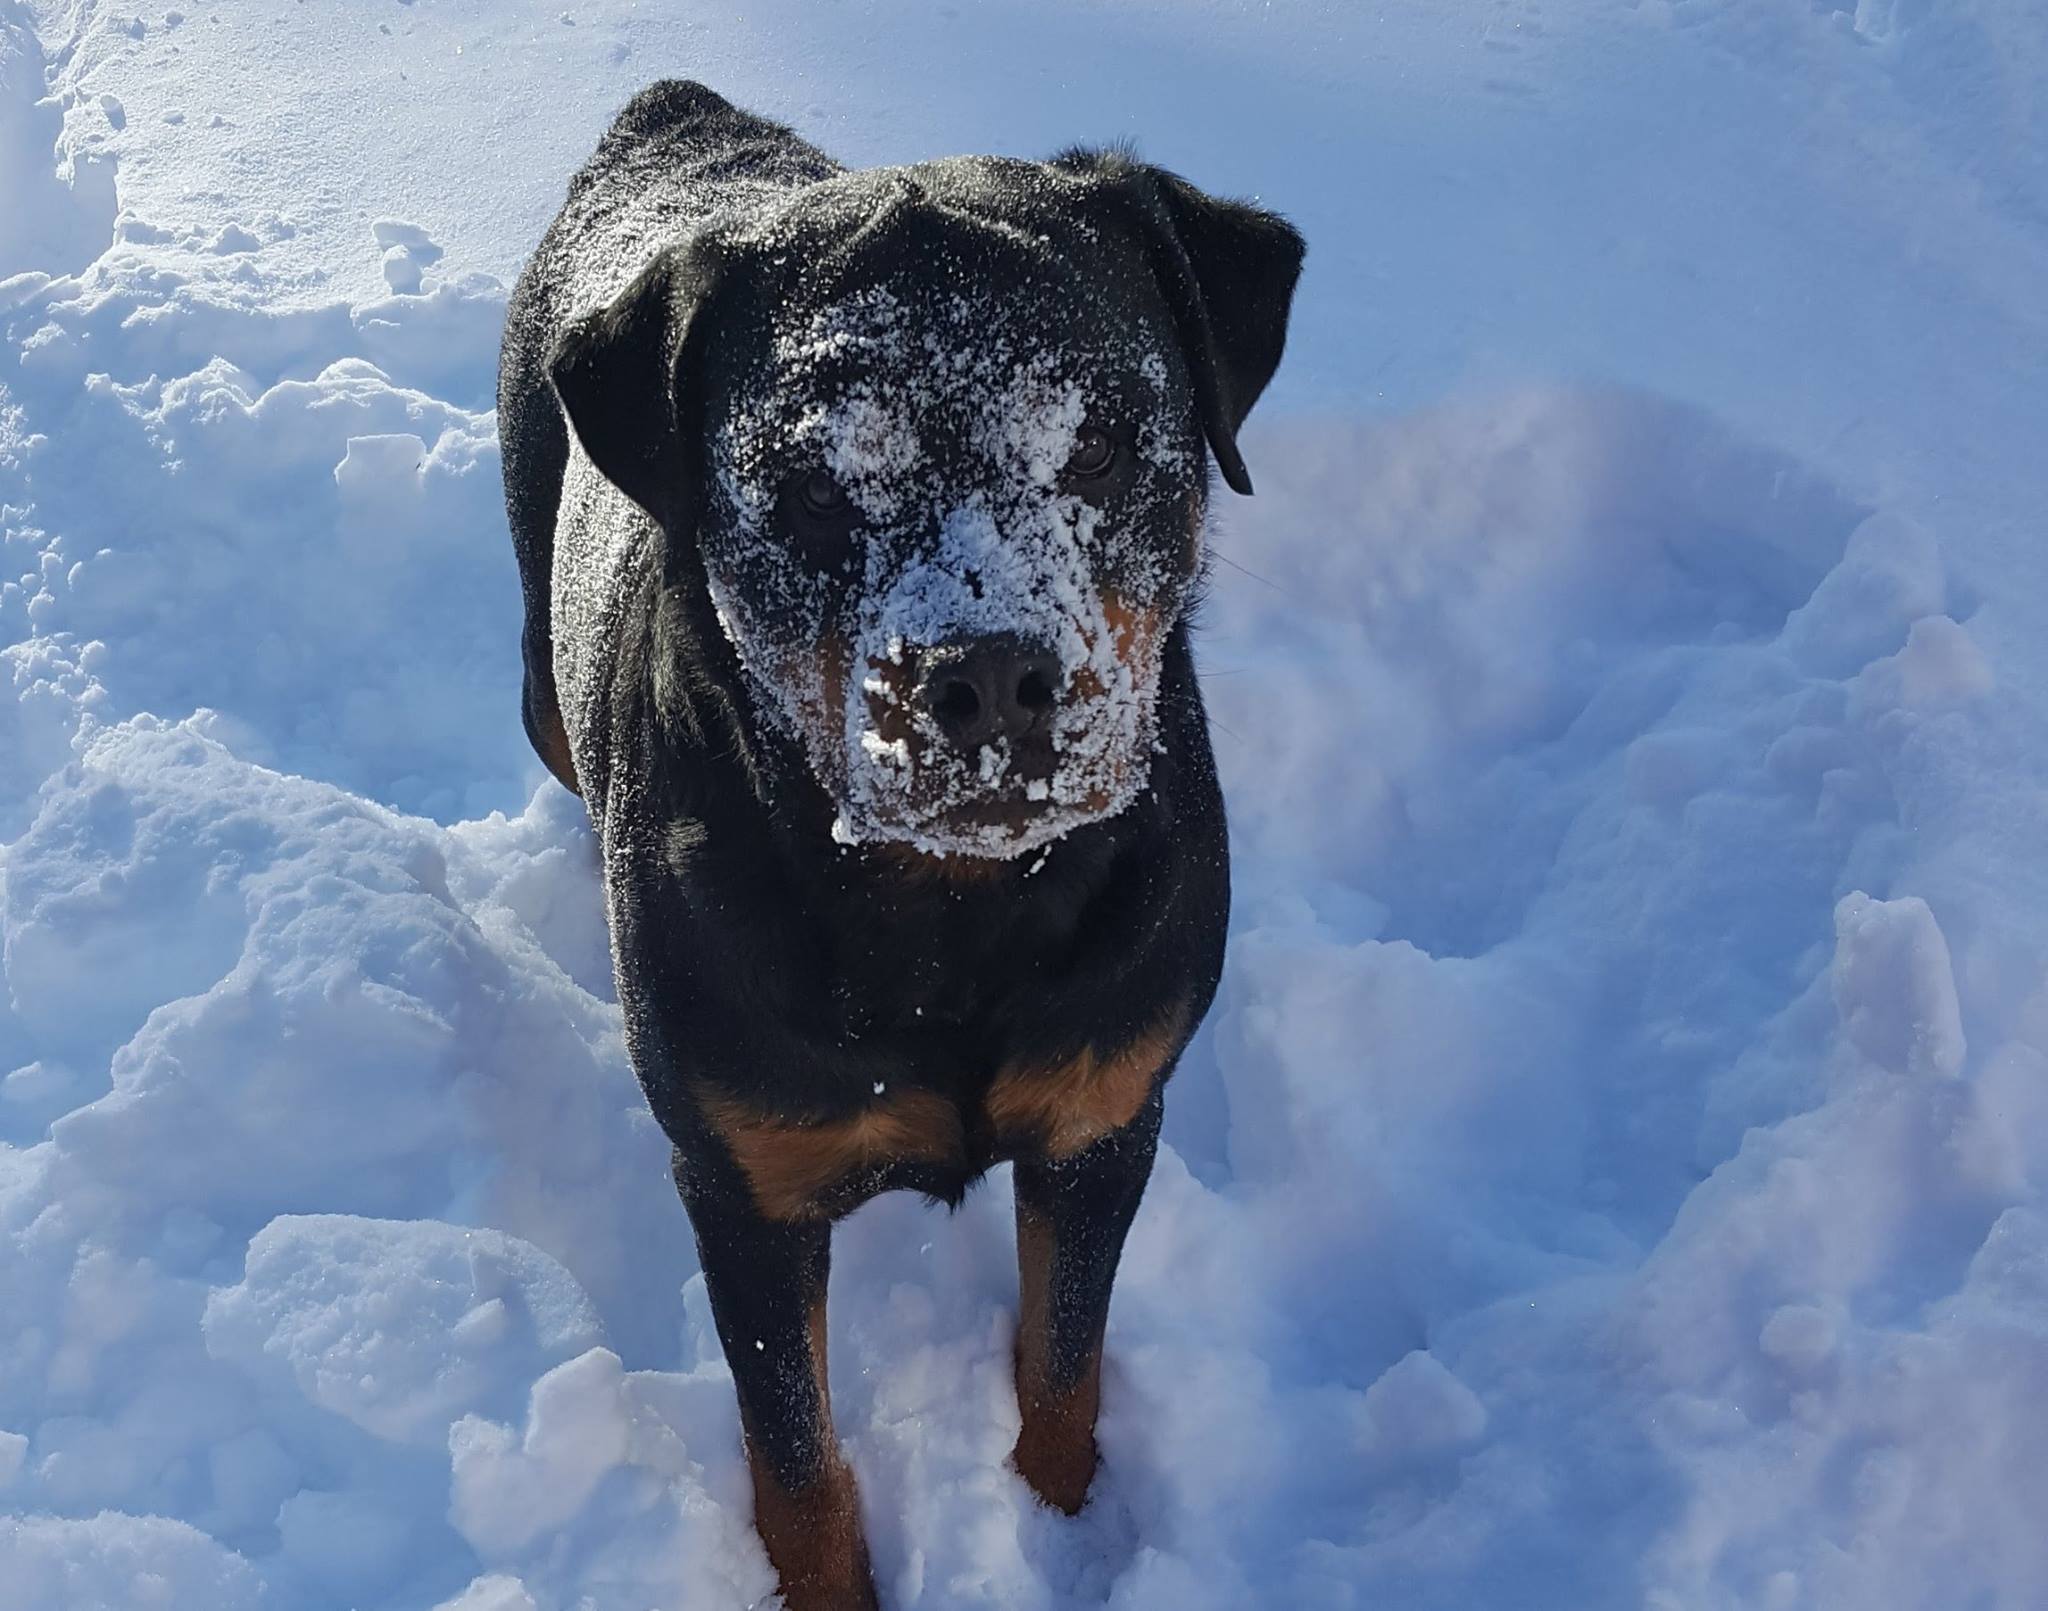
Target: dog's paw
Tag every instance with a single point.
(1057, 1462)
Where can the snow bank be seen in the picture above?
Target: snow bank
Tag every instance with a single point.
(1615, 1165)
(121, 1563)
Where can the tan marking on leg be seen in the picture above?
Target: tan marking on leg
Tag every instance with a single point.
(1072, 1104)
(814, 1538)
(820, 1359)
(790, 1164)
(1055, 1450)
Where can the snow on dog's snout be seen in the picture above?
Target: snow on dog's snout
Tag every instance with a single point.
(951, 447)
(1028, 580)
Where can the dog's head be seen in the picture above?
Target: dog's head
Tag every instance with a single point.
(936, 436)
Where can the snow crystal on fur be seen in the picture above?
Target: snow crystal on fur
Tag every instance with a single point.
(945, 555)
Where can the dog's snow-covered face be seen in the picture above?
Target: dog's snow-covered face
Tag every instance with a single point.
(934, 439)
(949, 527)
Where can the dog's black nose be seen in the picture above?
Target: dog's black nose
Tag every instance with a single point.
(993, 688)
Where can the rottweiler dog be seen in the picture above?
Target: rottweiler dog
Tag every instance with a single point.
(860, 519)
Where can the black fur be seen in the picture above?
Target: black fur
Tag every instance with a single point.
(758, 960)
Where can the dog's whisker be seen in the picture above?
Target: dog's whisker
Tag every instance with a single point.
(1246, 570)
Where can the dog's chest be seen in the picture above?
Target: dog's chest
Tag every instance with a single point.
(950, 1003)
(938, 1136)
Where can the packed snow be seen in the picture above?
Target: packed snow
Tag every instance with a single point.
(1613, 1174)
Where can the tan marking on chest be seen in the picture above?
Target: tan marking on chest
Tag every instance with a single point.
(1070, 1105)
(792, 1164)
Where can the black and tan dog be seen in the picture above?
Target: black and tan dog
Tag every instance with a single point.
(859, 517)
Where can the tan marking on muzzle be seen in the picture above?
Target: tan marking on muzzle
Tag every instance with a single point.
(889, 710)
(824, 724)
(890, 715)
(1135, 633)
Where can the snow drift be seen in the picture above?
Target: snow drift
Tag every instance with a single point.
(1613, 1174)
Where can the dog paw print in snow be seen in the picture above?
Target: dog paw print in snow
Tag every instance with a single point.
(408, 253)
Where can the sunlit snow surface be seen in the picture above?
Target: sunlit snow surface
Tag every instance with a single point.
(1613, 1174)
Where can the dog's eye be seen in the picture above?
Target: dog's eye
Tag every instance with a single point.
(818, 494)
(1094, 452)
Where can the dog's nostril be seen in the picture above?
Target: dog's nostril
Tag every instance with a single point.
(990, 690)
(958, 702)
(1035, 691)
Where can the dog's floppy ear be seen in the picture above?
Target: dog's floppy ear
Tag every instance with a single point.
(1228, 270)
(625, 372)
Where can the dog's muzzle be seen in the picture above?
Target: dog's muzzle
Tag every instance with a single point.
(997, 691)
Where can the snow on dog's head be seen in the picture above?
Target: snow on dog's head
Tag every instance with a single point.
(942, 430)
(993, 532)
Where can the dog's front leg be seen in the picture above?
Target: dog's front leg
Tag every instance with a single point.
(767, 1281)
(1072, 1216)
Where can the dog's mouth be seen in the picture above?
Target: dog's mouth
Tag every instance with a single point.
(1000, 823)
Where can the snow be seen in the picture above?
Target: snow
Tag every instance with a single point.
(394, 1326)
(1613, 1174)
